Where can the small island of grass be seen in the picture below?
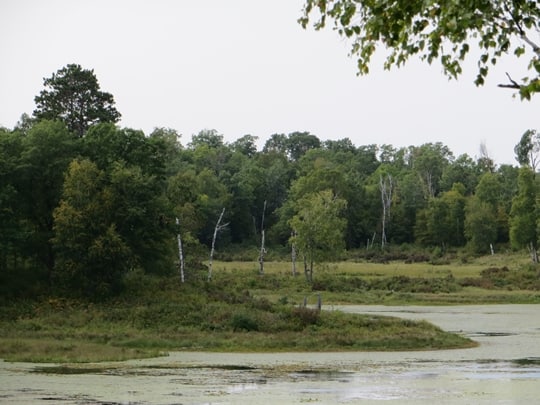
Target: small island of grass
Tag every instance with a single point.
(156, 315)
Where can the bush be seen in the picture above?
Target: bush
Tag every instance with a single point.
(338, 283)
(305, 316)
(416, 285)
(526, 278)
(244, 321)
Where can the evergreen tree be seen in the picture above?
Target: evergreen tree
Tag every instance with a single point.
(73, 96)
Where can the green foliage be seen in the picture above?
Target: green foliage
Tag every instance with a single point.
(154, 315)
(318, 228)
(430, 161)
(11, 234)
(106, 224)
(105, 145)
(463, 170)
(480, 225)
(46, 152)
(294, 146)
(528, 148)
(92, 257)
(72, 95)
(433, 30)
(246, 145)
(393, 284)
(442, 221)
(525, 278)
(243, 321)
(140, 214)
(115, 208)
(197, 199)
(523, 217)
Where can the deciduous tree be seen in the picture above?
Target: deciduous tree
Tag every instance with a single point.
(433, 30)
(48, 148)
(523, 215)
(318, 228)
(92, 256)
(528, 149)
(480, 225)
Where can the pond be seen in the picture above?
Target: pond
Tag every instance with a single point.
(504, 369)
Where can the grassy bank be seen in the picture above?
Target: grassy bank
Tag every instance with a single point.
(156, 315)
(240, 310)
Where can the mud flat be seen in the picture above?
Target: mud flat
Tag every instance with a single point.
(504, 369)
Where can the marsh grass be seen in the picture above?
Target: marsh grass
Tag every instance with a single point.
(458, 267)
(39, 350)
(218, 316)
(241, 310)
(500, 278)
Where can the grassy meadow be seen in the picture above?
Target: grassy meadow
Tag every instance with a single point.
(496, 279)
(240, 310)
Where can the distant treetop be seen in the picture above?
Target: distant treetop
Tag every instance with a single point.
(72, 95)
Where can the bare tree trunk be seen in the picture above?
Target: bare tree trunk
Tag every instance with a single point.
(180, 252)
(386, 187)
(306, 269)
(371, 241)
(218, 228)
(430, 187)
(263, 249)
(533, 252)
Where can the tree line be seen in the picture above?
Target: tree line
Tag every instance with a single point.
(84, 201)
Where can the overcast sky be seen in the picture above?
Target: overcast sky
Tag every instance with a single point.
(247, 67)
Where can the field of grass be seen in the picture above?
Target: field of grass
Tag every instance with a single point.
(502, 278)
(240, 310)
(459, 268)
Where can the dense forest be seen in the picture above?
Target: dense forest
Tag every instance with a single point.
(84, 201)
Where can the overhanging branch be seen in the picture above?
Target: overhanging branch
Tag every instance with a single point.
(512, 85)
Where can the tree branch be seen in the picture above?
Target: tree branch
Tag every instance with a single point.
(522, 33)
(535, 47)
(512, 85)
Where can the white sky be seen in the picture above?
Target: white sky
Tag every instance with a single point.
(246, 67)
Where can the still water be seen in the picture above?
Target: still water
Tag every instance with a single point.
(503, 369)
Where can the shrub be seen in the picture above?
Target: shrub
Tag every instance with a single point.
(244, 321)
(305, 316)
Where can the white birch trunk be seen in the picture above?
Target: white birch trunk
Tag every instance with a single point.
(386, 187)
(533, 252)
(216, 230)
(263, 249)
(180, 252)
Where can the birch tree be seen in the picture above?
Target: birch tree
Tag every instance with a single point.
(432, 31)
(528, 149)
(262, 251)
(386, 186)
(319, 228)
(180, 252)
(219, 226)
